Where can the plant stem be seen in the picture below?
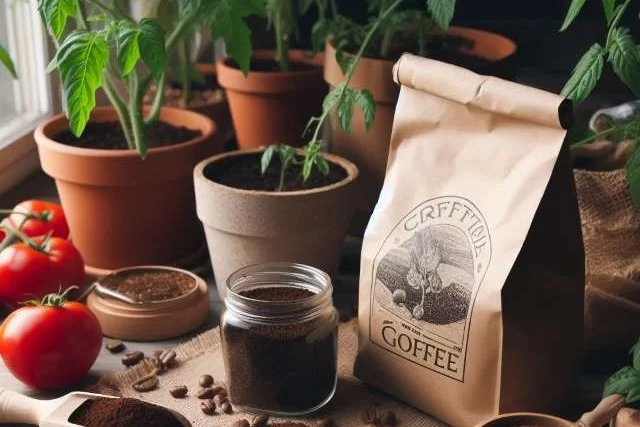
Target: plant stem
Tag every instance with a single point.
(158, 101)
(183, 57)
(615, 23)
(11, 234)
(386, 42)
(334, 9)
(421, 35)
(281, 26)
(82, 16)
(354, 64)
(135, 114)
(121, 110)
(283, 169)
(114, 14)
(176, 35)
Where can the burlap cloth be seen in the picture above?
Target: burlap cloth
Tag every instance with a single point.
(611, 232)
(203, 354)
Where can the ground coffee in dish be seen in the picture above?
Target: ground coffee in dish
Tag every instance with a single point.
(122, 412)
(150, 285)
(280, 348)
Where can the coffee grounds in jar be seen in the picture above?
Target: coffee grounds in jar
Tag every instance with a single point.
(288, 367)
(150, 286)
(122, 412)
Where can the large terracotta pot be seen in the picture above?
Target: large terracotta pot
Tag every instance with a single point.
(245, 227)
(369, 149)
(271, 107)
(123, 210)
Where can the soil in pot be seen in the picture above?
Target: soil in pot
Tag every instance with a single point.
(243, 172)
(150, 286)
(109, 136)
(271, 65)
(203, 93)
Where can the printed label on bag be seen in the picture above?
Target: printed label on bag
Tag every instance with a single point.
(425, 278)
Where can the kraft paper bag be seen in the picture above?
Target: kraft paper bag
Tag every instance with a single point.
(472, 272)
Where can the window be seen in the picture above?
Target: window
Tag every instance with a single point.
(26, 101)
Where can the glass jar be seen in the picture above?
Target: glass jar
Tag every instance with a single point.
(279, 339)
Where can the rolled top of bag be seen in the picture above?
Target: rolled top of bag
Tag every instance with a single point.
(485, 92)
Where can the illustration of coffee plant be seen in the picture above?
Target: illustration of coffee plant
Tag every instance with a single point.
(425, 258)
(344, 99)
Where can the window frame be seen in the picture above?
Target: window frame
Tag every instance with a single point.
(37, 92)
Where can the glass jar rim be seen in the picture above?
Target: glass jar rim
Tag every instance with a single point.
(292, 275)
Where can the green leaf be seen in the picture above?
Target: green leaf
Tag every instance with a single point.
(81, 60)
(635, 352)
(307, 168)
(188, 8)
(56, 12)
(7, 62)
(332, 98)
(633, 395)
(585, 75)
(127, 47)
(367, 104)
(608, 6)
(622, 382)
(323, 165)
(304, 6)
(624, 58)
(267, 156)
(151, 46)
(572, 13)
(226, 20)
(442, 12)
(345, 109)
(633, 176)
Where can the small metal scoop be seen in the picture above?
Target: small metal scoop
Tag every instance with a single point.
(604, 412)
(17, 408)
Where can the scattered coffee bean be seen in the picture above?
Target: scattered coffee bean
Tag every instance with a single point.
(158, 366)
(146, 383)
(226, 407)
(133, 358)
(326, 422)
(219, 390)
(241, 423)
(179, 391)
(259, 421)
(115, 346)
(388, 418)
(168, 358)
(205, 393)
(220, 399)
(205, 380)
(208, 407)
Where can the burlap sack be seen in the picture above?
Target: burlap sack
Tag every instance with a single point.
(472, 272)
(611, 231)
(203, 355)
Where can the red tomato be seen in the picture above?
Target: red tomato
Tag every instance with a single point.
(53, 219)
(28, 273)
(50, 346)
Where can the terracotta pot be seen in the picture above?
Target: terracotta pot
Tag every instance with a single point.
(369, 150)
(245, 227)
(123, 210)
(270, 107)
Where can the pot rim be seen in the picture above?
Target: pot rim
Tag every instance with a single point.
(552, 418)
(42, 137)
(348, 166)
(295, 55)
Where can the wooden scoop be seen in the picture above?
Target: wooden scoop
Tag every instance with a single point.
(16, 408)
(603, 413)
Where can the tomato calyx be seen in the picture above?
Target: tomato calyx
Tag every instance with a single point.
(52, 300)
(44, 215)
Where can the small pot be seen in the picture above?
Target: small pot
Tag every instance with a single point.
(245, 227)
(369, 149)
(155, 320)
(273, 107)
(123, 210)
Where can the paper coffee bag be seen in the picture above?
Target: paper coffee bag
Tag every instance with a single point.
(472, 273)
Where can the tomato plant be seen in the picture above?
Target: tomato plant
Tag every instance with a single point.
(51, 343)
(35, 268)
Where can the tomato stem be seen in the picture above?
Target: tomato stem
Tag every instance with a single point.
(25, 239)
(41, 216)
(11, 234)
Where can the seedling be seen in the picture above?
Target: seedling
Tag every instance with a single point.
(621, 52)
(6, 60)
(627, 380)
(343, 99)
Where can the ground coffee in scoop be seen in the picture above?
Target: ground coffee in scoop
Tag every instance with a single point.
(122, 412)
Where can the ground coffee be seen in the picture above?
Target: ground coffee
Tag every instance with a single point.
(150, 286)
(280, 367)
(122, 412)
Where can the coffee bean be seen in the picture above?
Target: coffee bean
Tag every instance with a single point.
(133, 358)
(241, 423)
(168, 357)
(205, 393)
(179, 391)
(389, 418)
(219, 390)
(208, 407)
(259, 421)
(146, 383)
(205, 380)
(226, 407)
(115, 346)
(220, 399)
(326, 422)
